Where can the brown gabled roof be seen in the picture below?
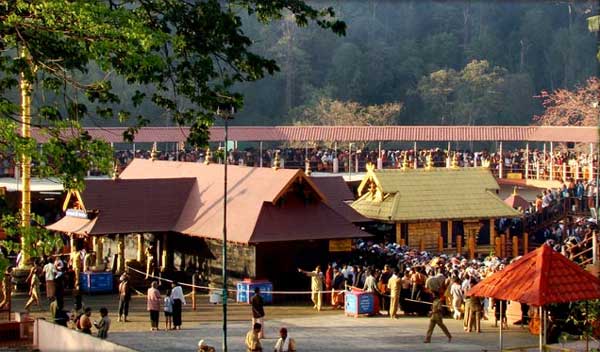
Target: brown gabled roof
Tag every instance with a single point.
(252, 195)
(125, 206)
(338, 195)
(541, 277)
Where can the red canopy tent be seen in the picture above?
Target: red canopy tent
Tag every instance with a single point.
(541, 277)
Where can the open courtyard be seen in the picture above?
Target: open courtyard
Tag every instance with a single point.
(328, 330)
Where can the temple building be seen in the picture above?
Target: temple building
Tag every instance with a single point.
(277, 219)
(425, 204)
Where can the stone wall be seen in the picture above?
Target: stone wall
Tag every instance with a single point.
(428, 231)
(241, 261)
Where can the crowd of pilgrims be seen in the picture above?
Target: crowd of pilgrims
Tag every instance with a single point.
(421, 275)
(321, 158)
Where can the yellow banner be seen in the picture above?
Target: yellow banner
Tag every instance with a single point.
(340, 245)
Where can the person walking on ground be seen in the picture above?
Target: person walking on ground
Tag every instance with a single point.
(124, 297)
(178, 300)
(153, 305)
(316, 286)
(436, 319)
(285, 343)
(59, 280)
(49, 273)
(252, 339)
(258, 311)
(394, 285)
(103, 324)
(168, 309)
(457, 298)
(6, 287)
(34, 286)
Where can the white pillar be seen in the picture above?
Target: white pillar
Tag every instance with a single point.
(448, 157)
(379, 159)
(591, 163)
(260, 153)
(551, 161)
(336, 162)
(501, 164)
(526, 161)
(415, 155)
(594, 248)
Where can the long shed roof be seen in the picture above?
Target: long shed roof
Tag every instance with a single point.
(356, 133)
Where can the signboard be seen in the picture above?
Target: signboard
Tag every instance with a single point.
(340, 245)
(77, 213)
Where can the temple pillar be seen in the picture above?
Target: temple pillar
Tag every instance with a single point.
(525, 243)
(459, 245)
(165, 262)
(440, 244)
(398, 232)
(498, 247)
(493, 233)
(121, 254)
(141, 253)
(449, 234)
(99, 250)
(503, 245)
(515, 247)
(472, 246)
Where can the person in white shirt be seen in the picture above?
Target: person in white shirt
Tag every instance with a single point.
(285, 343)
(49, 273)
(178, 299)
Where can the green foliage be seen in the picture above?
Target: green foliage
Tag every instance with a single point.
(183, 58)
(468, 97)
(37, 241)
(3, 265)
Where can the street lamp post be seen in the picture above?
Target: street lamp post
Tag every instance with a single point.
(226, 115)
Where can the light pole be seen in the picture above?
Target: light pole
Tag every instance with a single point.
(226, 115)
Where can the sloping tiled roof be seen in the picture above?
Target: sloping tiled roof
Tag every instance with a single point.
(356, 133)
(250, 190)
(338, 194)
(294, 221)
(516, 201)
(438, 194)
(541, 277)
(125, 206)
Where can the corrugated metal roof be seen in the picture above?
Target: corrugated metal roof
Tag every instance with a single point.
(541, 277)
(357, 133)
(438, 194)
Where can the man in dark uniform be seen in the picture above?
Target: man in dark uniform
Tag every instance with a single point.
(436, 319)
(258, 311)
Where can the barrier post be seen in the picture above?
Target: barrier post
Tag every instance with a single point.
(194, 291)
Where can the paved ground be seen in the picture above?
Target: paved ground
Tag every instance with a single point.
(325, 331)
